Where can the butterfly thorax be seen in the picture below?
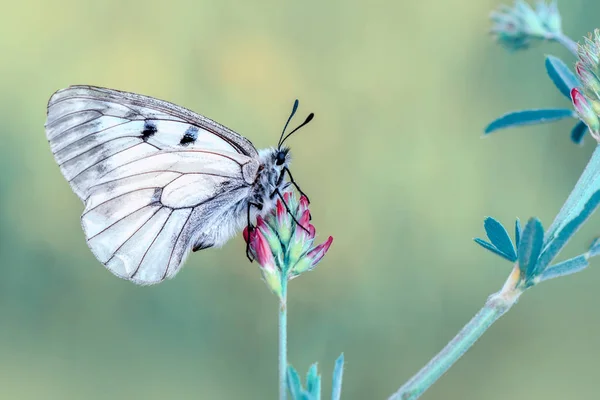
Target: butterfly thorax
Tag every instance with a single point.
(270, 178)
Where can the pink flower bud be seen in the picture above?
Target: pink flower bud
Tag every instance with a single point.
(282, 215)
(586, 112)
(318, 252)
(263, 252)
(303, 205)
(304, 225)
(590, 81)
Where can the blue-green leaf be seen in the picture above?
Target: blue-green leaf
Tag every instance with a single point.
(530, 247)
(294, 384)
(595, 248)
(578, 132)
(338, 372)
(492, 248)
(564, 268)
(561, 75)
(313, 382)
(518, 230)
(499, 238)
(307, 396)
(529, 117)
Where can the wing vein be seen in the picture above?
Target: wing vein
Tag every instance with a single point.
(57, 120)
(175, 245)
(100, 145)
(151, 244)
(96, 163)
(164, 152)
(77, 126)
(133, 234)
(130, 176)
(121, 195)
(89, 134)
(105, 100)
(120, 219)
(166, 171)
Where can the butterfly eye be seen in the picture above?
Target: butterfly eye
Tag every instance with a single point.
(280, 158)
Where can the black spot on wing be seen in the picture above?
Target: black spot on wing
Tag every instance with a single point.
(149, 130)
(190, 136)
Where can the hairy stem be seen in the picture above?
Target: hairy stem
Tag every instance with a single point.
(566, 41)
(283, 341)
(496, 305)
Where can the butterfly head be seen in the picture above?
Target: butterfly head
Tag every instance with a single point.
(281, 157)
(275, 161)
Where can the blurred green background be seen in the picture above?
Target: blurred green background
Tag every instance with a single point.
(395, 166)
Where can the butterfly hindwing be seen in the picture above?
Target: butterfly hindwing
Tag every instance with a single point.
(155, 178)
(149, 244)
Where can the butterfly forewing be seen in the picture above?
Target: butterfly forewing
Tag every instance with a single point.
(155, 177)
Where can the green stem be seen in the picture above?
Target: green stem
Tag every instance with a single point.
(496, 305)
(566, 41)
(283, 341)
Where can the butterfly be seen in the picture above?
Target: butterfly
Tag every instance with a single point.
(158, 180)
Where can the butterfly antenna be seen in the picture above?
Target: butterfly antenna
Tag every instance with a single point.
(306, 121)
(294, 108)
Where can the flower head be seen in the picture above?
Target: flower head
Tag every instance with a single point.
(282, 242)
(586, 99)
(517, 27)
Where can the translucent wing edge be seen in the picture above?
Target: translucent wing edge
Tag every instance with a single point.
(239, 142)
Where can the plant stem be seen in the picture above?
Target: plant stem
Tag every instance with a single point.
(566, 41)
(496, 305)
(283, 341)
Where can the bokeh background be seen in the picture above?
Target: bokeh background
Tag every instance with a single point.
(394, 163)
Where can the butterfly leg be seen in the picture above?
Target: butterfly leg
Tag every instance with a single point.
(293, 182)
(287, 208)
(250, 228)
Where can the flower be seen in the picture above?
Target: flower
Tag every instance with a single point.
(586, 112)
(586, 99)
(282, 242)
(517, 27)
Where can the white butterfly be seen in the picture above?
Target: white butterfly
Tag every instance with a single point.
(158, 180)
